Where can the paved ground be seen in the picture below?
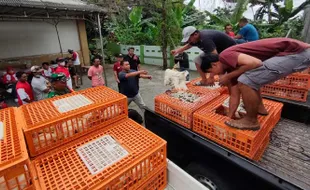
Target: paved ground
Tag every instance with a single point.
(148, 88)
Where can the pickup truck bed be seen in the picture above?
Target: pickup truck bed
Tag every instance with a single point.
(288, 154)
(285, 163)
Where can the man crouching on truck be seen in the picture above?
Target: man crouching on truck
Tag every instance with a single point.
(252, 65)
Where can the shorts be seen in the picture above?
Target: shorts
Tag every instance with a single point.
(275, 68)
(78, 69)
(198, 59)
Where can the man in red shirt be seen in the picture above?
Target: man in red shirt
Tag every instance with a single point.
(252, 65)
(229, 30)
(117, 68)
(23, 88)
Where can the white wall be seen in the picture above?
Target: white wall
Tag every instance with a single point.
(18, 39)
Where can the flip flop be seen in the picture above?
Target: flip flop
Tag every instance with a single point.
(244, 128)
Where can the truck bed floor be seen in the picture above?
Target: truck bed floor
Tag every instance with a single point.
(288, 154)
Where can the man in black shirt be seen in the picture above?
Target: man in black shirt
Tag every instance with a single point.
(128, 83)
(133, 59)
(209, 41)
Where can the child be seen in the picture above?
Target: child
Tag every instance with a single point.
(23, 88)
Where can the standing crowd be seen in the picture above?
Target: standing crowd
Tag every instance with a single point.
(49, 80)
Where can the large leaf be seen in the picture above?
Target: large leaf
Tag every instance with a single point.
(135, 15)
(240, 8)
(288, 4)
(188, 6)
(216, 19)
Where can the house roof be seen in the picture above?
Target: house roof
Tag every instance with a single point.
(47, 8)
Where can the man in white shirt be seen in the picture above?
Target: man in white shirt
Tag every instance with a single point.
(76, 61)
(41, 87)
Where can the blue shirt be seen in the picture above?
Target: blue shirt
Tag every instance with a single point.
(249, 33)
(128, 86)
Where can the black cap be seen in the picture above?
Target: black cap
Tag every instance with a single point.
(119, 55)
(207, 61)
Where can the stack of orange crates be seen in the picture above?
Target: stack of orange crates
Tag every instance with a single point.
(181, 111)
(14, 160)
(48, 126)
(209, 122)
(63, 135)
(293, 87)
(143, 168)
(204, 89)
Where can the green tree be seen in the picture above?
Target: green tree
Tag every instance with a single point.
(281, 13)
(223, 16)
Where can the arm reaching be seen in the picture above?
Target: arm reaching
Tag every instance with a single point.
(181, 49)
(133, 74)
(146, 76)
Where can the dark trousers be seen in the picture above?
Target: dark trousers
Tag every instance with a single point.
(119, 87)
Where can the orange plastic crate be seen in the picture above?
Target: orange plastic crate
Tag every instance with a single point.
(298, 81)
(211, 125)
(46, 127)
(179, 111)
(262, 149)
(285, 92)
(306, 71)
(158, 181)
(203, 89)
(14, 162)
(64, 169)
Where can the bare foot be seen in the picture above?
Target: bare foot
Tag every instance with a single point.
(244, 124)
(262, 110)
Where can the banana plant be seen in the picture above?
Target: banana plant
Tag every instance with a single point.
(237, 14)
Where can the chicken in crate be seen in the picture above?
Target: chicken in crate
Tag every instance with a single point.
(179, 105)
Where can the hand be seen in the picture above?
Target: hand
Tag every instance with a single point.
(207, 82)
(150, 77)
(210, 81)
(174, 52)
(224, 80)
(143, 72)
(117, 80)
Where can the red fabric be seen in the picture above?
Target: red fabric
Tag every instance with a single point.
(74, 56)
(64, 70)
(3, 105)
(231, 34)
(262, 49)
(117, 67)
(26, 86)
(5, 81)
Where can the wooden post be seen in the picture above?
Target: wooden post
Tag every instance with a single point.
(306, 30)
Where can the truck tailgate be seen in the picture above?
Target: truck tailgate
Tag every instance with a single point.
(288, 154)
